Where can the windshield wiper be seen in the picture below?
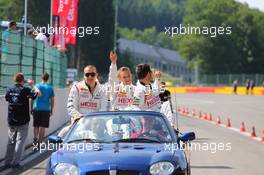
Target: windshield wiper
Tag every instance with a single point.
(86, 140)
(138, 140)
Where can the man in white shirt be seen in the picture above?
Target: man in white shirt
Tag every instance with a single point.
(85, 96)
(146, 94)
(42, 37)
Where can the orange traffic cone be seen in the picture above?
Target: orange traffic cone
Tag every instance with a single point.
(243, 128)
(205, 116)
(183, 110)
(179, 109)
(253, 134)
(218, 120)
(187, 111)
(194, 114)
(210, 117)
(228, 123)
(200, 115)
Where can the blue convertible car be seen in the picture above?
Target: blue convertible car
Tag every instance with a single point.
(120, 143)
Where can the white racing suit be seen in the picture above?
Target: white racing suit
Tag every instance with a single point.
(82, 101)
(167, 111)
(121, 96)
(147, 98)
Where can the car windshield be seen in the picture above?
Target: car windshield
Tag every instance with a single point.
(121, 128)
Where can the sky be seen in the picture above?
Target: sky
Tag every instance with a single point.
(254, 4)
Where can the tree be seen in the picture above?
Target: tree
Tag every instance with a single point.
(143, 14)
(39, 12)
(11, 10)
(223, 53)
(94, 49)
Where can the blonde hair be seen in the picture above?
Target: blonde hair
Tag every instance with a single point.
(123, 69)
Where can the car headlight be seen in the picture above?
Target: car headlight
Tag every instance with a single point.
(66, 169)
(161, 168)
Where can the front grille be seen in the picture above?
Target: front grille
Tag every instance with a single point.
(119, 172)
(98, 173)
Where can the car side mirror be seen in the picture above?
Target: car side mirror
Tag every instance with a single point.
(187, 136)
(55, 139)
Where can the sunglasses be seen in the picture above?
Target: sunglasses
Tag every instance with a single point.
(92, 74)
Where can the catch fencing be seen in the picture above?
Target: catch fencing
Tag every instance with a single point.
(20, 53)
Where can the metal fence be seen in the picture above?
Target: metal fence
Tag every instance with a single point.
(228, 79)
(24, 54)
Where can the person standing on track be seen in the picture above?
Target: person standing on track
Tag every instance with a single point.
(18, 97)
(235, 83)
(247, 86)
(43, 108)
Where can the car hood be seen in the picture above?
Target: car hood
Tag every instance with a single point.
(133, 154)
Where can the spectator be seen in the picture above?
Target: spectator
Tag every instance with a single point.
(165, 94)
(17, 97)
(42, 37)
(31, 33)
(247, 86)
(42, 108)
(252, 85)
(7, 35)
(12, 26)
(235, 86)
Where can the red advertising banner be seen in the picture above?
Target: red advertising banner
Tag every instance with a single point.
(71, 22)
(60, 7)
(56, 40)
(67, 10)
(55, 5)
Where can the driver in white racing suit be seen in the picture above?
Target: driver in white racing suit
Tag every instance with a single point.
(120, 83)
(85, 96)
(146, 94)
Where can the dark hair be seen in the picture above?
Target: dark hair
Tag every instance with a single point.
(45, 77)
(142, 70)
(88, 66)
(19, 77)
(163, 83)
(12, 23)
